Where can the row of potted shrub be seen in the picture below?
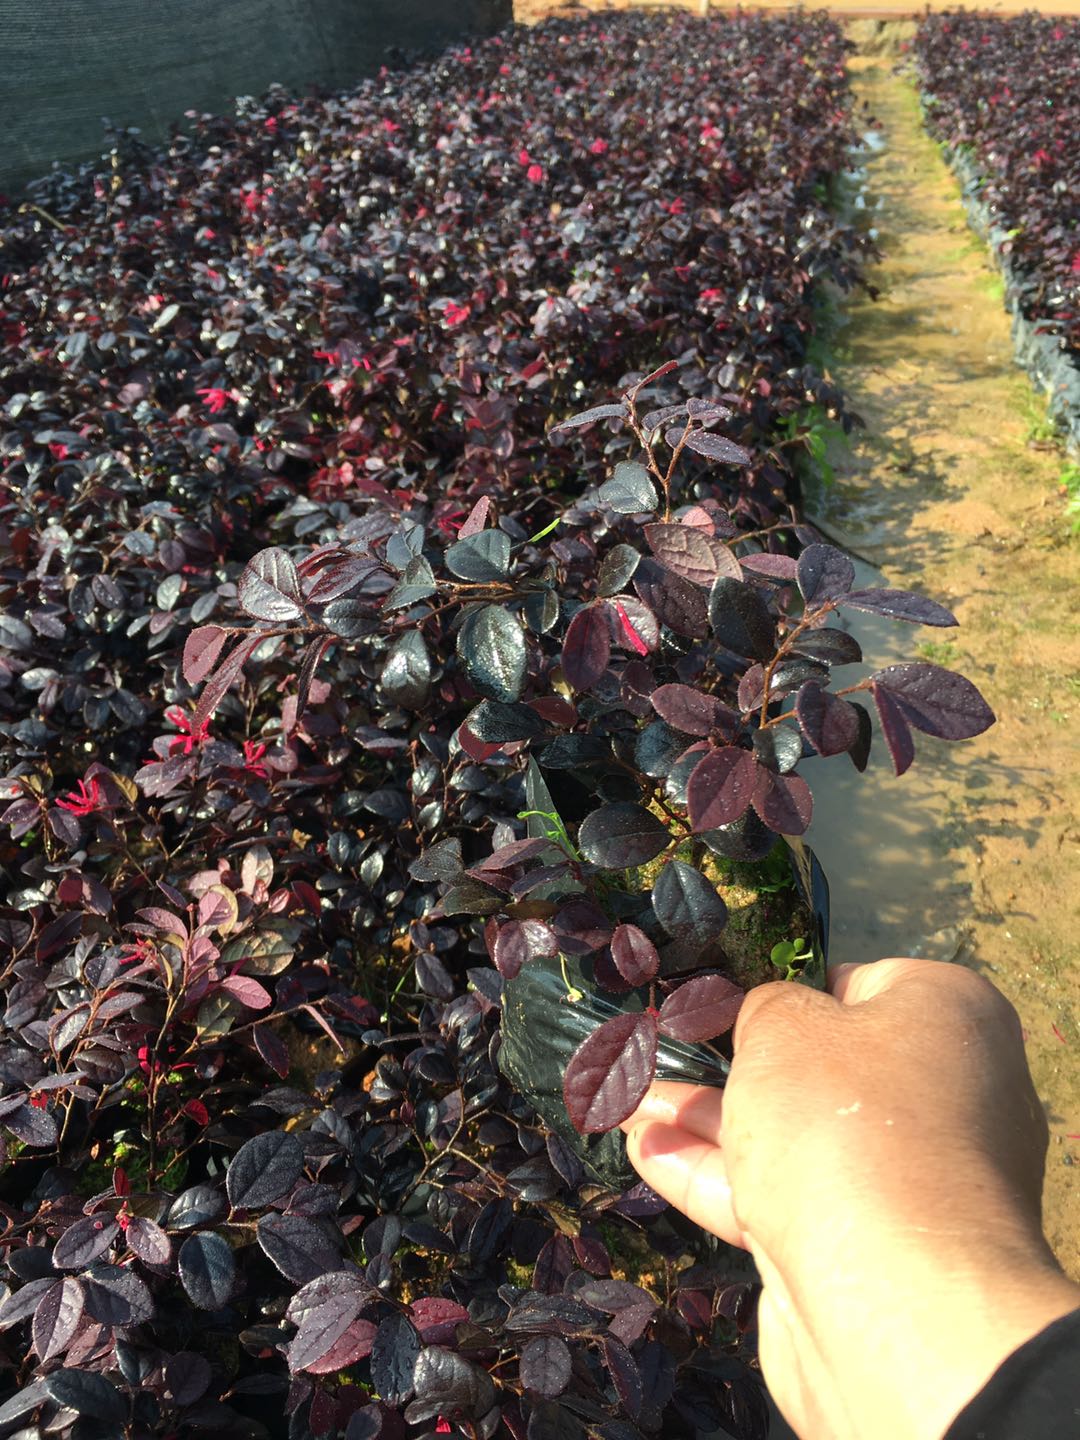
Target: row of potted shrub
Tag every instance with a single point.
(1002, 94)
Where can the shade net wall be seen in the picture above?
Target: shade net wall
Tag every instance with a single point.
(67, 64)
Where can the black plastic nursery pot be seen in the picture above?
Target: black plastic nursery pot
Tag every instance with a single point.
(543, 1024)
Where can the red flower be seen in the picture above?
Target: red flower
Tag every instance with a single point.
(254, 751)
(197, 1111)
(598, 147)
(143, 949)
(455, 314)
(83, 801)
(39, 1102)
(452, 522)
(186, 741)
(270, 122)
(443, 1427)
(535, 173)
(389, 126)
(523, 157)
(58, 450)
(216, 398)
(160, 1065)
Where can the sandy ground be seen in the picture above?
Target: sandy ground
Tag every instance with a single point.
(974, 855)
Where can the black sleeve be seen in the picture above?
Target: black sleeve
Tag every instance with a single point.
(1034, 1395)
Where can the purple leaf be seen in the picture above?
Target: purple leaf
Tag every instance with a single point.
(720, 788)
(57, 1317)
(356, 1344)
(677, 603)
(609, 1073)
(187, 1377)
(581, 927)
(741, 620)
(630, 491)
(634, 955)
(834, 647)
(935, 700)
(272, 1049)
(269, 588)
(208, 1270)
(894, 727)
(148, 1240)
(588, 417)
(621, 835)
(773, 567)
(88, 1394)
(701, 1009)
(34, 1127)
(625, 1375)
(784, 802)
(312, 659)
(437, 1318)
(534, 1314)
(900, 605)
(201, 650)
(828, 722)
(222, 680)
(264, 1169)
(299, 1248)
(546, 1366)
(824, 573)
(616, 568)
(586, 649)
(447, 1382)
(21, 1303)
(634, 627)
(689, 552)
(480, 558)
(247, 991)
(860, 751)
(393, 1359)
(519, 941)
(82, 1243)
(116, 1296)
(686, 903)
(693, 711)
(713, 447)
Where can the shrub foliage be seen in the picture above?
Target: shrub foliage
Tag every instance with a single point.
(1006, 93)
(303, 610)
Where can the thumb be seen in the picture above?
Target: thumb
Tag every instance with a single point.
(853, 984)
(689, 1173)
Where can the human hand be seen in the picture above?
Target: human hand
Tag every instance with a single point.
(879, 1149)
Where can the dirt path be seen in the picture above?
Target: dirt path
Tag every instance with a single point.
(975, 854)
